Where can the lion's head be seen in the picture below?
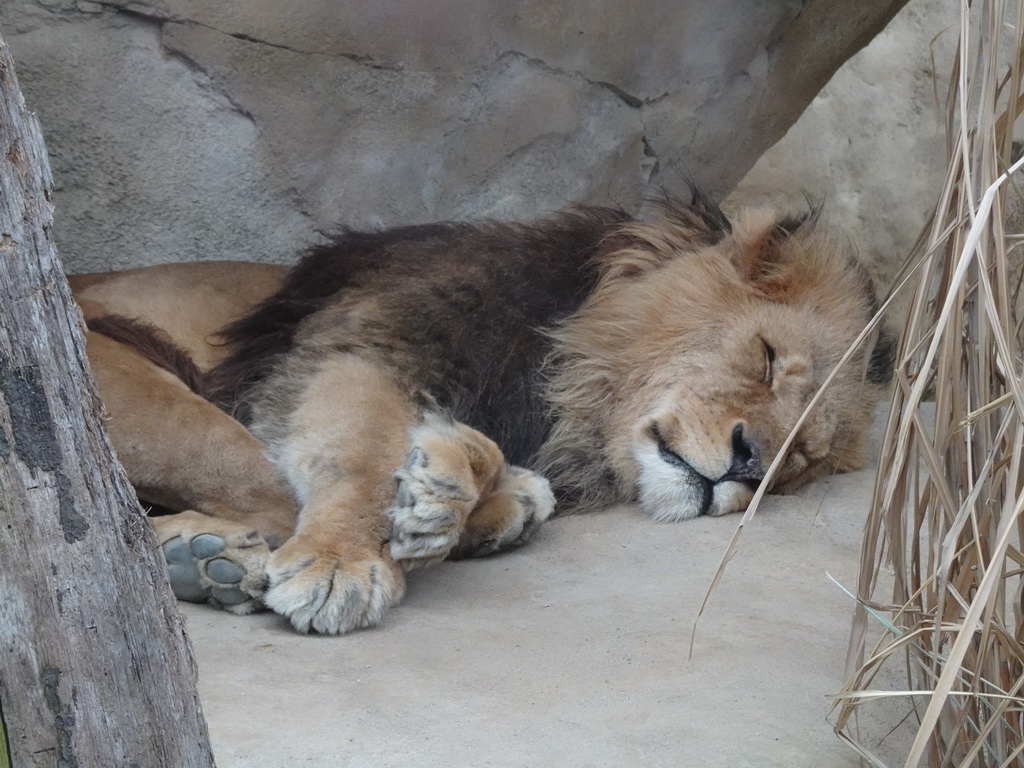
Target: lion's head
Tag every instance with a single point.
(679, 379)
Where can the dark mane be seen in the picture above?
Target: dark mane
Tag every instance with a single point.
(701, 216)
(430, 280)
(267, 331)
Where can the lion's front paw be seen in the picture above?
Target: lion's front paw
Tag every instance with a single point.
(213, 561)
(429, 511)
(508, 517)
(329, 592)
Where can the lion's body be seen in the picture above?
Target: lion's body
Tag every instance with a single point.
(409, 385)
(454, 312)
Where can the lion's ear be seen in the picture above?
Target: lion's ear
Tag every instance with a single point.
(764, 251)
(757, 251)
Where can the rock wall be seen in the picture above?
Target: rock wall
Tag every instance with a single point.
(189, 129)
(872, 146)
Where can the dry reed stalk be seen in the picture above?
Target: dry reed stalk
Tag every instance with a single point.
(946, 523)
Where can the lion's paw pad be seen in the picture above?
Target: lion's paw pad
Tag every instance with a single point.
(206, 545)
(224, 571)
(210, 569)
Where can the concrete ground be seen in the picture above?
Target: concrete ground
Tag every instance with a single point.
(572, 651)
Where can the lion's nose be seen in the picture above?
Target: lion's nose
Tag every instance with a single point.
(746, 458)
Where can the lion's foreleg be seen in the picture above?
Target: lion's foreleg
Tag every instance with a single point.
(339, 446)
(450, 467)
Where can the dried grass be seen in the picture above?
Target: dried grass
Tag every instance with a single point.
(940, 588)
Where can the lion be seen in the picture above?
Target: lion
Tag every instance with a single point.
(409, 395)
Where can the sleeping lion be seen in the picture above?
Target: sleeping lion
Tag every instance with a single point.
(405, 396)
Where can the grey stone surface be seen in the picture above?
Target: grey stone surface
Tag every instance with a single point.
(872, 144)
(189, 129)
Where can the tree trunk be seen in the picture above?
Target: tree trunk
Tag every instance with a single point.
(95, 668)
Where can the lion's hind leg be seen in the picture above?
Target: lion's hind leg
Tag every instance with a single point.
(215, 561)
(456, 495)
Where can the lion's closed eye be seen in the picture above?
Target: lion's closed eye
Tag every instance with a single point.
(769, 363)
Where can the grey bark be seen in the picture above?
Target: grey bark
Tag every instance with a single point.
(95, 668)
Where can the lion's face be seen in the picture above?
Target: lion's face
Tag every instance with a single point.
(708, 354)
(717, 417)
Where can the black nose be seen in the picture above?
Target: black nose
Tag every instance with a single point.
(746, 458)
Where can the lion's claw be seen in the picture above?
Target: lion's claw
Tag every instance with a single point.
(428, 513)
(331, 594)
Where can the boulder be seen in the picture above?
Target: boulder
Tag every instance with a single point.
(185, 129)
(871, 146)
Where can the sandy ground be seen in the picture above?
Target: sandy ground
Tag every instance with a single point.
(572, 651)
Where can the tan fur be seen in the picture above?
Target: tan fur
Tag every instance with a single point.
(180, 451)
(668, 358)
(188, 301)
